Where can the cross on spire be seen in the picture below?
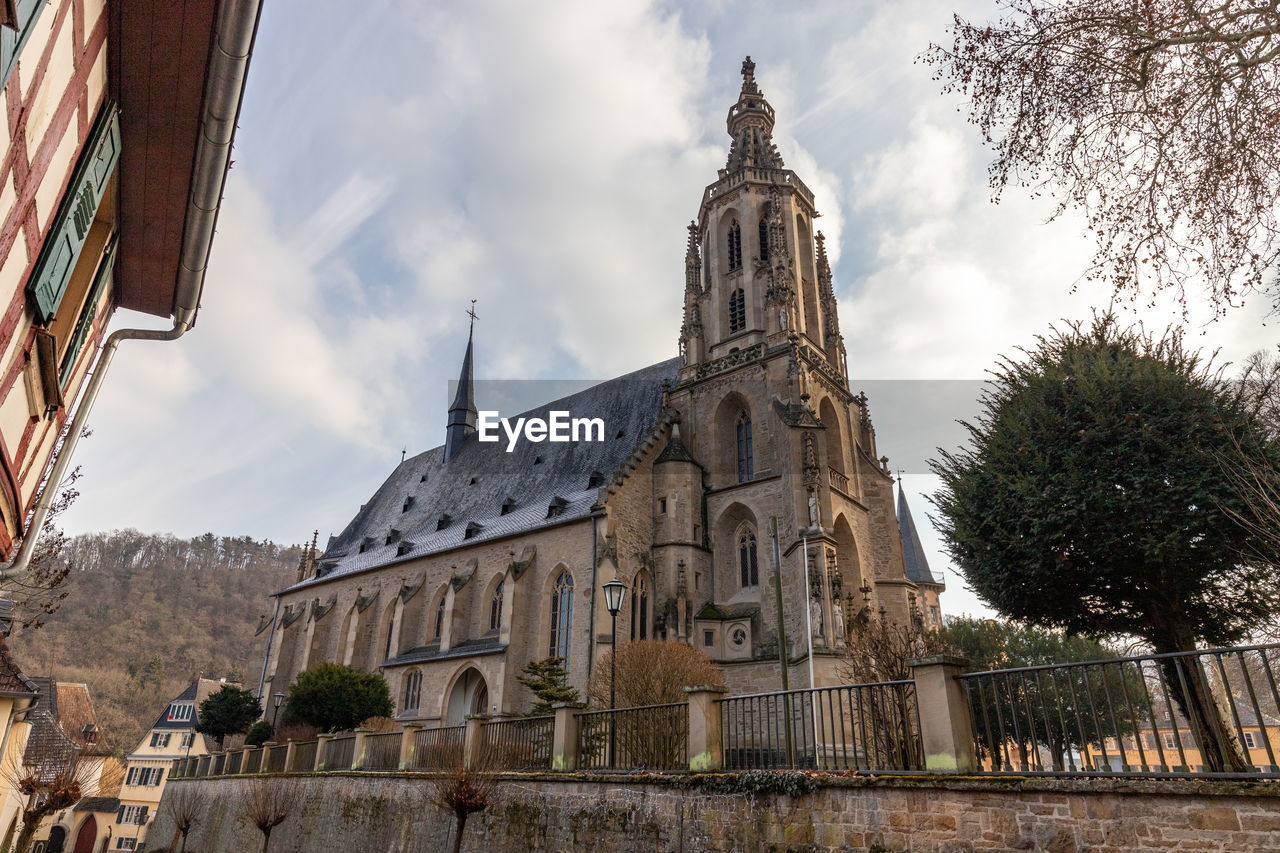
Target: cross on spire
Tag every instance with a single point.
(471, 312)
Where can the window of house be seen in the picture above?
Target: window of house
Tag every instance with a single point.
(495, 608)
(640, 609)
(1250, 740)
(412, 691)
(748, 569)
(735, 246)
(186, 741)
(439, 618)
(159, 740)
(737, 310)
(1170, 742)
(764, 239)
(132, 816)
(561, 617)
(180, 712)
(123, 843)
(743, 433)
(708, 638)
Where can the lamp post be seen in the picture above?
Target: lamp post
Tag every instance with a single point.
(614, 591)
(279, 697)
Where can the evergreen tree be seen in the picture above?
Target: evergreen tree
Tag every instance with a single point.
(230, 711)
(548, 682)
(335, 698)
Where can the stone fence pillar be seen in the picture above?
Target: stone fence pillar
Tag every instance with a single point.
(946, 727)
(409, 745)
(268, 747)
(289, 750)
(473, 741)
(358, 750)
(322, 746)
(564, 735)
(705, 751)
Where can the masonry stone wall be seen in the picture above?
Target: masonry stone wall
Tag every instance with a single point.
(392, 813)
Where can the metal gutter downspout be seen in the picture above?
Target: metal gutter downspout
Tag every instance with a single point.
(229, 55)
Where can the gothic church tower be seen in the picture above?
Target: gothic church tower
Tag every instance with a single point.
(769, 436)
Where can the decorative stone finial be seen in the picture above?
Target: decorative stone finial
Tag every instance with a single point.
(749, 77)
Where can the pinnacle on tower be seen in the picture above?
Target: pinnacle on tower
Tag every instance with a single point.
(750, 123)
(462, 413)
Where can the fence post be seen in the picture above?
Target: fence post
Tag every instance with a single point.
(358, 749)
(564, 735)
(289, 750)
(409, 744)
(472, 740)
(946, 727)
(704, 747)
(268, 747)
(322, 744)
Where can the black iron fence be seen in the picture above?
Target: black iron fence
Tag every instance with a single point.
(304, 756)
(521, 743)
(856, 727)
(1204, 713)
(381, 751)
(439, 748)
(653, 738)
(339, 752)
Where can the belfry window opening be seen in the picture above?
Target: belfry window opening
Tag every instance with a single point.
(764, 240)
(737, 310)
(735, 246)
(745, 465)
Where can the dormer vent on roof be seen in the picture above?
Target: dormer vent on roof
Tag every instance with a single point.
(507, 505)
(556, 507)
(537, 460)
(404, 548)
(596, 480)
(408, 502)
(366, 544)
(473, 528)
(443, 521)
(393, 535)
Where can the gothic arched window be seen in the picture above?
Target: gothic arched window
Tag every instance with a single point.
(439, 618)
(737, 310)
(495, 608)
(561, 617)
(745, 466)
(640, 609)
(764, 240)
(735, 246)
(748, 568)
(412, 691)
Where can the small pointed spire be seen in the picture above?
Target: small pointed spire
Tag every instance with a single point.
(462, 413)
(750, 125)
(915, 563)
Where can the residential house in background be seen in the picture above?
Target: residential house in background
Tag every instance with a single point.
(172, 736)
(119, 121)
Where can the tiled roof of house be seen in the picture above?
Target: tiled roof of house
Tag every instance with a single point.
(98, 804)
(915, 562)
(405, 518)
(78, 721)
(12, 680)
(62, 724)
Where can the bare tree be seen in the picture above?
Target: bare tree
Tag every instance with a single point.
(184, 803)
(268, 801)
(650, 672)
(878, 649)
(463, 791)
(54, 779)
(38, 593)
(1160, 120)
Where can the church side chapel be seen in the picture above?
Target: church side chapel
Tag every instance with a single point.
(737, 493)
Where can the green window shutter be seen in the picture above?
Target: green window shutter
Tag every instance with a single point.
(12, 41)
(87, 313)
(79, 207)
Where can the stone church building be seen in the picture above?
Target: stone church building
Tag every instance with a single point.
(736, 490)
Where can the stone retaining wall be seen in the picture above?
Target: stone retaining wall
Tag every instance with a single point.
(392, 813)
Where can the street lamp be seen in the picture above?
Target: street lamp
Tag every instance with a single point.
(614, 590)
(279, 697)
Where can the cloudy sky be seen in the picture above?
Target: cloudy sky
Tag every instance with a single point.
(544, 159)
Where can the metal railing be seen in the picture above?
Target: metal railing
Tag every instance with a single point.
(653, 738)
(252, 761)
(339, 752)
(523, 743)
(1204, 713)
(439, 748)
(232, 764)
(276, 759)
(304, 756)
(219, 761)
(381, 751)
(873, 727)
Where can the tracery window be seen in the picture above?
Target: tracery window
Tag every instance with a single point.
(412, 691)
(495, 608)
(764, 240)
(735, 246)
(640, 609)
(439, 618)
(561, 617)
(737, 311)
(748, 567)
(743, 431)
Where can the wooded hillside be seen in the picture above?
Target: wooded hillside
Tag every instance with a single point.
(145, 613)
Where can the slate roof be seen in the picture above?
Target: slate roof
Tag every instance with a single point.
(916, 564)
(196, 692)
(12, 681)
(472, 487)
(98, 804)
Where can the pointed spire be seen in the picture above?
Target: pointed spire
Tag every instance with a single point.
(462, 413)
(824, 268)
(693, 262)
(750, 124)
(913, 557)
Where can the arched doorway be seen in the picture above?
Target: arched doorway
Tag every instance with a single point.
(57, 840)
(470, 695)
(87, 835)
